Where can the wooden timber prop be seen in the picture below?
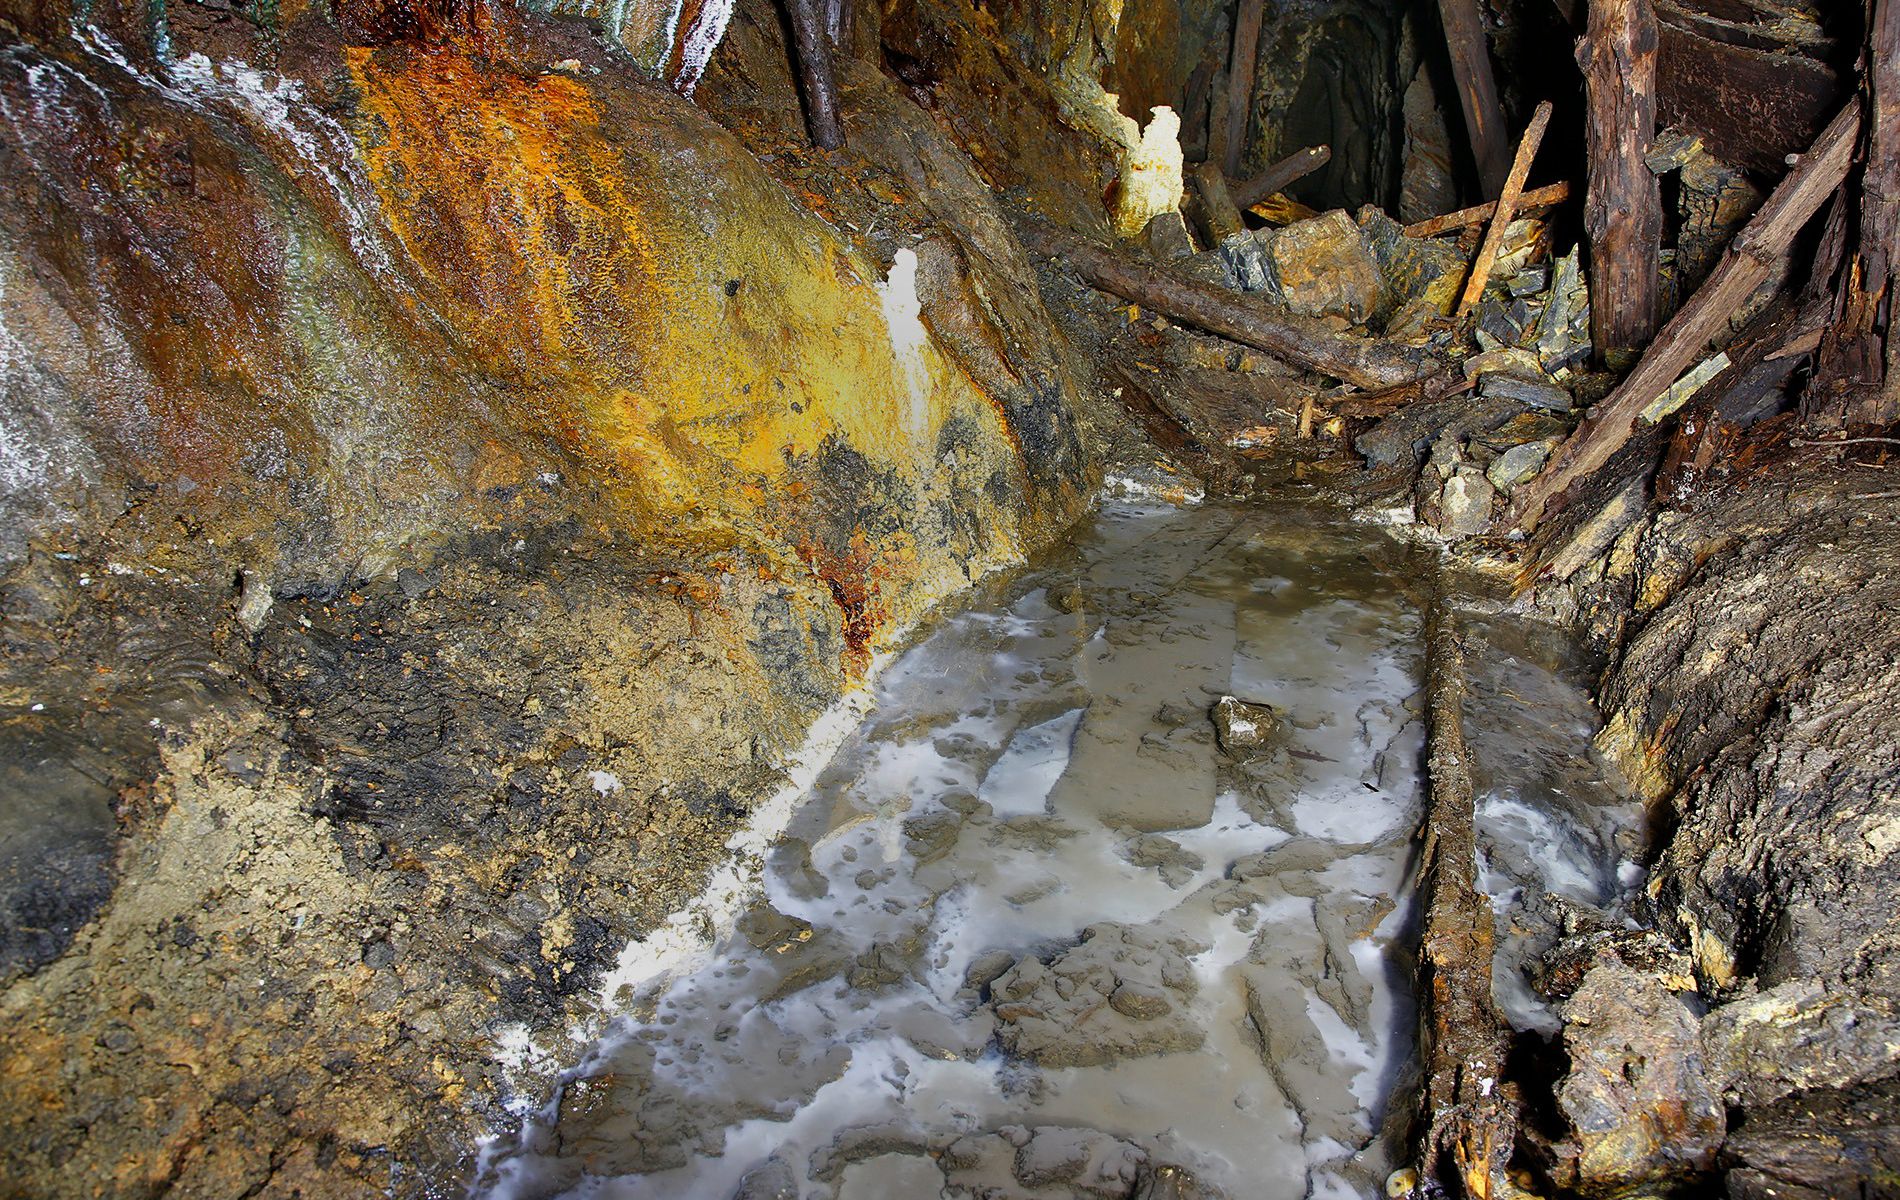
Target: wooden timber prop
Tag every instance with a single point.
(1622, 208)
(1469, 1114)
(1281, 175)
(1477, 90)
(815, 77)
(1745, 265)
(1537, 199)
(1857, 374)
(1303, 341)
(1241, 66)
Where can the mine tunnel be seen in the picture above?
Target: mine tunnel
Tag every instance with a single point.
(1008, 599)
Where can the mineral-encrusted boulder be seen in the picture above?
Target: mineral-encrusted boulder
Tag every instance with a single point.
(1637, 1095)
(1325, 269)
(1122, 993)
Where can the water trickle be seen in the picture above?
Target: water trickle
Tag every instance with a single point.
(1035, 930)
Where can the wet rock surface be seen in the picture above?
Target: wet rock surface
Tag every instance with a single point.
(1638, 1095)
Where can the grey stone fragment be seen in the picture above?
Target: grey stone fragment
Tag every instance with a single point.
(1502, 385)
(1060, 1013)
(1465, 504)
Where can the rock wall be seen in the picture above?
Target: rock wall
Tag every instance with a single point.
(444, 472)
(1757, 706)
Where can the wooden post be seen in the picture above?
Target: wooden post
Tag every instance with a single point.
(1623, 204)
(1477, 91)
(1506, 210)
(1240, 72)
(814, 72)
(1857, 377)
(1282, 175)
(1220, 217)
(1370, 363)
(1744, 266)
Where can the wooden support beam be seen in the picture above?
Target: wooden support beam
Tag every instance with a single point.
(1622, 208)
(1364, 362)
(1241, 63)
(1477, 91)
(813, 42)
(1470, 1115)
(1506, 209)
(1548, 196)
(1857, 378)
(1219, 216)
(1745, 265)
(1282, 175)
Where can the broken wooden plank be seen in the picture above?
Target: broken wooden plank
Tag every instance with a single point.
(815, 78)
(1470, 1118)
(1744, 266)
(1622, 208)
(1240, 74)
(1507, 208)
(1548, 196)
(1305, 342)
(1477, 90)
(1282, 175)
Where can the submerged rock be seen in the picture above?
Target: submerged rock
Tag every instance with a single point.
(1066, 1013)
(1243, 727)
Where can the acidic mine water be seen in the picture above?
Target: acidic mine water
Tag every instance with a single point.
(1036, 933)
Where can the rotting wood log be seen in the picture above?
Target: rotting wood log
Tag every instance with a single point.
(813, 44)
(1506, 209)
(1477, 90)
(1857, 377)
(1282, 175)
(1622, 209)
(1241, 65)
(1745, 265)
(1219, 216)
(1469, 1113)
(1548, 196)
(1303, 341)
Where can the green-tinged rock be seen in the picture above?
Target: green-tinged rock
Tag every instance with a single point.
(1517, 464)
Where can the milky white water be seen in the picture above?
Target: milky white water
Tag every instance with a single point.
(1043, 772)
